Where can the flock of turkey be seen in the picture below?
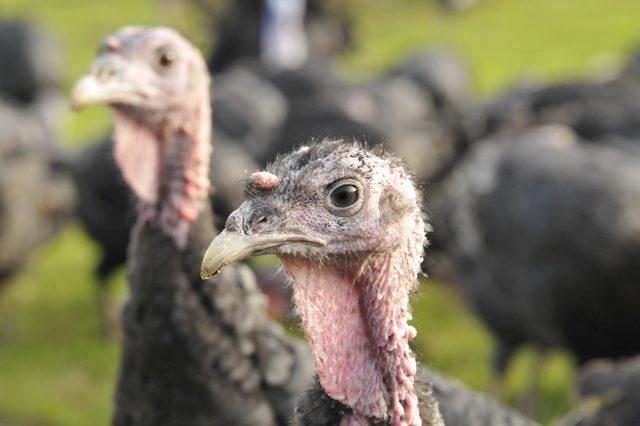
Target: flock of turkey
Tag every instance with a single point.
(533, 198)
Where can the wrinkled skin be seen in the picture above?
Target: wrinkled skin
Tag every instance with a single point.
(347, 225)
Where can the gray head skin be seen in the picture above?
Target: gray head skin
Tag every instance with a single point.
(348, 227)
(158, 87)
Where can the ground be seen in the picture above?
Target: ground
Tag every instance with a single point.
(55, 369)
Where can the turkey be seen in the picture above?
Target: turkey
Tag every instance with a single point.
(34, 67)
(36, 191)
(414, 109)
(195, 352)
(246, 112)
(348, 227)
(37, 196)
(31, 73)
(593, 109)
(542, 229)
(526, 218)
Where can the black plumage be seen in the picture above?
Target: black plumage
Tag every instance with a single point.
(414, 109)
(458, 405)
(538, 221)
(609, 394)
(105, 206)
(593, 109)
(542, 231)
(201, 353)
(31, 65)
(270, 222)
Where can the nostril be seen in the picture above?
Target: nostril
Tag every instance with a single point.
(105, 73)
(259, 220)
(259, 224)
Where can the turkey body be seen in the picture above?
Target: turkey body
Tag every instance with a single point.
(543, 233)
(105, 206)
(458, 405)
(609, 394)
(37, 196)
(201, 353)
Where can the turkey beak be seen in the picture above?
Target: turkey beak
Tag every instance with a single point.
(102, 87)
(233, 246)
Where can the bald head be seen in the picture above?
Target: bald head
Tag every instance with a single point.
(346, 201)
(148, 69)
(158, 86)
(347, 224)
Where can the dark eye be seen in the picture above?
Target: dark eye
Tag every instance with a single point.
(344, 196)
(166, 57)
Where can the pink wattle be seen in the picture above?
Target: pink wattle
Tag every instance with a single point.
(329, 305)
(358, 329)
(166, 163)
(136, 151)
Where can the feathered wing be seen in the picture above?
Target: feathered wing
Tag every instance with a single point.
(202, 352)
(461, 406)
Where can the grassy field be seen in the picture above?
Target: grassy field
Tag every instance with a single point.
(55, 369)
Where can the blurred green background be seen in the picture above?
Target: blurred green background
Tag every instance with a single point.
(56, 369)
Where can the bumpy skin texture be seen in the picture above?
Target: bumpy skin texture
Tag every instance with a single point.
(352, 292)
(259, 113)
(201, 353)
(106, 206)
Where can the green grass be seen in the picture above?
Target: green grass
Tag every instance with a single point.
(502, 40)
(55, 369)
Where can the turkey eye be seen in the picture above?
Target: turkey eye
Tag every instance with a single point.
(344, 196)
(166, 57)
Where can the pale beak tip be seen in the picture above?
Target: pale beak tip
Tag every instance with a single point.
(87, 91)
(206, 272)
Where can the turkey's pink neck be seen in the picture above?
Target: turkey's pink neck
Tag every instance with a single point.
(357, 325)
(166, 164)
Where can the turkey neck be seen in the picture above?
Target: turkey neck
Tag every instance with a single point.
(185, 355)
(356, 321)
(164, 157)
